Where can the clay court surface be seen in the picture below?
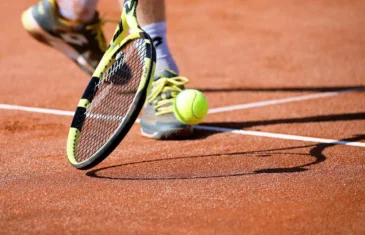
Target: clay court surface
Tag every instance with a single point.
(294, 68)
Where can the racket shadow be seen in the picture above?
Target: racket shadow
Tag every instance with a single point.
(102, 173)
(315, 152)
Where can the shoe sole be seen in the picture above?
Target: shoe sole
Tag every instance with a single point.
(182, 133)
(36, 31)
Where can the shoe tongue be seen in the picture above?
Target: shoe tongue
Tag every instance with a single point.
(165, 74)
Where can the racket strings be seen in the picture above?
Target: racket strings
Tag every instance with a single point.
(113, 99)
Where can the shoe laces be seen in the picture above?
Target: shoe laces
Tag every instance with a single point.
(164, 92)
(96, 29)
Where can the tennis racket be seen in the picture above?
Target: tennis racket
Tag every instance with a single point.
(115, 94)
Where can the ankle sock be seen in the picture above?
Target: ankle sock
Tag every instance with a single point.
(81, 11)
(164, 59)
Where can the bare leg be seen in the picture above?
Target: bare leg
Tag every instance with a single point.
(151, 11)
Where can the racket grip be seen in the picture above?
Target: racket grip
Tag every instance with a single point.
(130, 8)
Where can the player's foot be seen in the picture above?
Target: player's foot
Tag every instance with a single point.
(158, 120)
(83, 43)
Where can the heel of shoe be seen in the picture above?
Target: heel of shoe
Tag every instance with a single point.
(32, 27)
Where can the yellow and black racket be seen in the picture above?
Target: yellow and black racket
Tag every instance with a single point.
(115, 95)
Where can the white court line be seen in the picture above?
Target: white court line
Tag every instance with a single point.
(202, 127)
(279, 136)
(281, 101)
(50, 111)
(212, 110)
(37, 110)
(230, 108)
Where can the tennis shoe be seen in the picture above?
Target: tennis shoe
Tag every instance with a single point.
(158, 120)
(83, 43)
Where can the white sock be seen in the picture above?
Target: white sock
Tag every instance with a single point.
(77, 10)
(164, 59)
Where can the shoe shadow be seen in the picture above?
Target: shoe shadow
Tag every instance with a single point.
(120, 172)
(202, 134)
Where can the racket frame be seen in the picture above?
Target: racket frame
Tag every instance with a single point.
(127, 30)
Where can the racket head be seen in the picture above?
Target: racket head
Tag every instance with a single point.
(113, 98)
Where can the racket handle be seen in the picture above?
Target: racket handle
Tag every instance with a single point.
(130, 9)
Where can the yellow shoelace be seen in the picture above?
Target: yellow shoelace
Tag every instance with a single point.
(97, 30)
(171, 85)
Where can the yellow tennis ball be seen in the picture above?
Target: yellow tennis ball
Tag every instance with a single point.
(190, 106)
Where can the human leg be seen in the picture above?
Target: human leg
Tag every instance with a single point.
(158, 120)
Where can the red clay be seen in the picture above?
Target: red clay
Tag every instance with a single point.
(216, 183)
